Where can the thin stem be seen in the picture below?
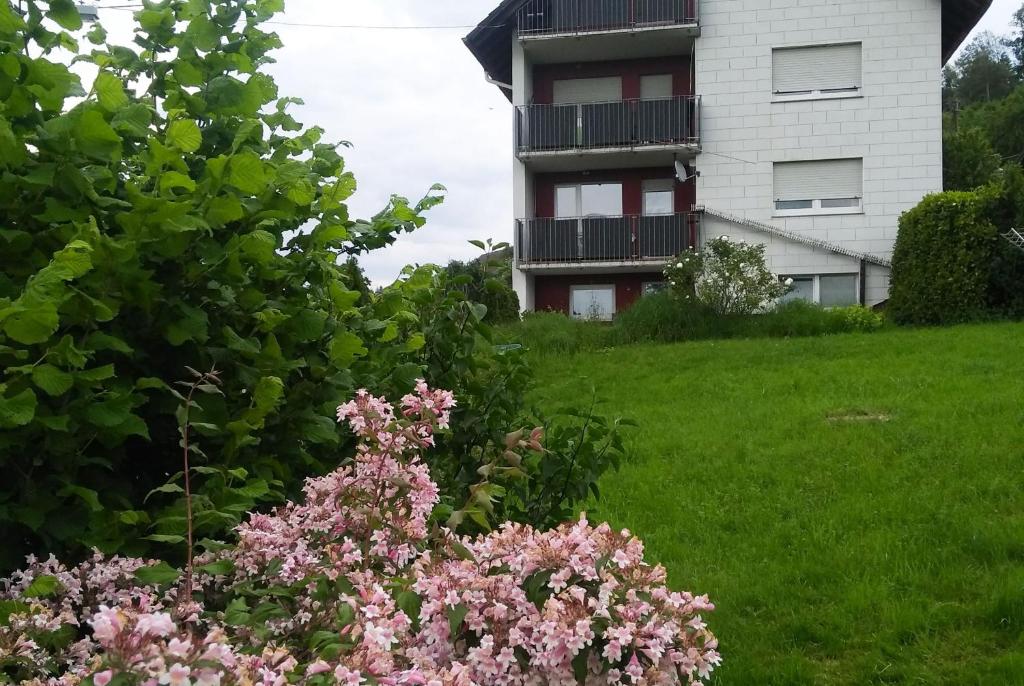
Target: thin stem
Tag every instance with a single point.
(188, 491)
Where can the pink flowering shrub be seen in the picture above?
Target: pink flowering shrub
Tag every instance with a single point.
(355, 585)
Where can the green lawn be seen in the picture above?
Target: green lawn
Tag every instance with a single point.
(839, 549)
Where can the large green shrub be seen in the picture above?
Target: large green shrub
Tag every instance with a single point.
(728, 277)
(196, 224)
(950, 263)
(141, 232)
(488, 281)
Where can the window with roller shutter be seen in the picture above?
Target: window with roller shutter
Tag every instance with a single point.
(819, 187)
(817, 71)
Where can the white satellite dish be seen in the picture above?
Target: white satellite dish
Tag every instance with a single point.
(684, 173)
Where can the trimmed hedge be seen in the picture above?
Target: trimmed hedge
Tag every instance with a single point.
(950, 262)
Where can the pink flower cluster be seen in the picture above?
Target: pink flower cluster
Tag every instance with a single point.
(352, 586)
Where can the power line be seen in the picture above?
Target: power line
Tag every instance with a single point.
(367, 27)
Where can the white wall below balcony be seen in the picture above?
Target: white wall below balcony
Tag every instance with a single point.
(895, 125)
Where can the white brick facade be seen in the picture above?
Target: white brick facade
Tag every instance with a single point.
(894, 123)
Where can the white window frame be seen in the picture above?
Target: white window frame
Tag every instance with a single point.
(578, 187)
(816, 208)
(816, 288)
(645, 287)
(657, 186)
(831, 94)
(593, 287)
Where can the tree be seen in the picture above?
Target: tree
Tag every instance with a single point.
(150, 223)
(1015, 41)
(969, 160)
(983, 72)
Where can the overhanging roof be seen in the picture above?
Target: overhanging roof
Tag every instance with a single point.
(491, 41)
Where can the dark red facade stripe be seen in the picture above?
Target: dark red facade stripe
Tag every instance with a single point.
(552, 293)
(545, 75)
(632, 187)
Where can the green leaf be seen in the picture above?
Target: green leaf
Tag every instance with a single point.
(267, 394)
(65, 13)
(456, 615)
(259, 245)
(415, 342)
(17, 410)
(343, 298)
(103, 341)
(224, 210)
(86, 495)
(109, 413)
(345, 348)
(110, 92)
(96, 138)
(35, 325)
(172, 180)
(166, 488)
(579, 666)
(410, 603)
(9, 21)
(218, 568)
(246, 173)
(185, 135)
(165, 538)
(97, 373)
(42, 586)
(53, 381)
(133, 120)
(159, 574)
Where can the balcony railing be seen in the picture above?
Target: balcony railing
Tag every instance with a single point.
(605, 239)
(546, 17)
(616, 124)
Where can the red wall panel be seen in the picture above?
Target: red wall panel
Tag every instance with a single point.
(552, 292)
(632, 187)
(544, 75)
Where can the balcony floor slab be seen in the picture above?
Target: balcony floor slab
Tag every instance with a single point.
(593, 46)
(607, 158)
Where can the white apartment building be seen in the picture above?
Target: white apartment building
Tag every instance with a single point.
(644, 127)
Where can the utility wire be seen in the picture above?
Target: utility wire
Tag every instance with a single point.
(367, 27)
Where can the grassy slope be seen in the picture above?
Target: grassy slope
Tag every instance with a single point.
(838, 553)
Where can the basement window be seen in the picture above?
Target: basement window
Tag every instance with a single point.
(827, 290)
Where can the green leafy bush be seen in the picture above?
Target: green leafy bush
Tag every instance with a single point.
(664, 318)
(950, 263)
(488, 281)
(728, 277)
(143, 232)
(482, 486)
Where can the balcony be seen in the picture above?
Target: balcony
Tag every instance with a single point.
(553, 137)
(613, 242)
(539, 18)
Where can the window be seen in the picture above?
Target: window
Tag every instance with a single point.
(802, 288)
(588, 200)
(817, 71)
(592, 302)
(655, 86)
(827, 290)
(573, 91)
(652, 287)
(819, 187)
(838, 290)
(658, 197)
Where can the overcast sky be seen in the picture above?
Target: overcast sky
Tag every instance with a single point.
(416, 108)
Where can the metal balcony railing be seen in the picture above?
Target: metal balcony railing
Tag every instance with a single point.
(615, 124)
(546, 17)
(605, 239)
